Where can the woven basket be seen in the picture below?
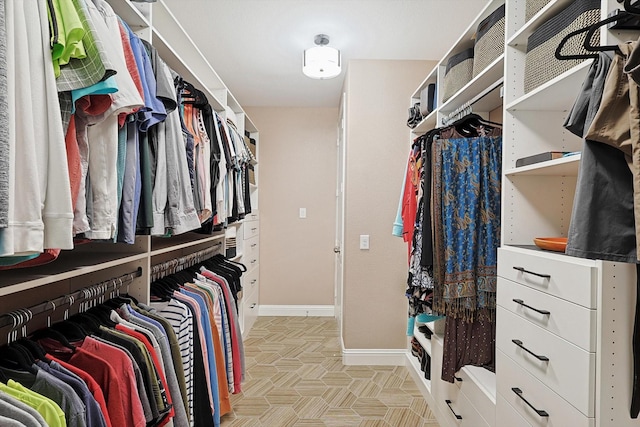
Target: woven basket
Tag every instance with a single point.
(458, 73)
(541, 64)
(489, 40)
(534, 6)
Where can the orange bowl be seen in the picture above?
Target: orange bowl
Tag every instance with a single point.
(557, 244)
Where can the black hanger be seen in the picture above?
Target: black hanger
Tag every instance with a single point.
(54, 335)
(71, 330)
(631, 8)
(103, 314)
(559, 55)
(13, 358)
(595, 27)
(34, 348)
(86, 322)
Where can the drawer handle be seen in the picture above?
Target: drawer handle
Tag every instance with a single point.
(458, 417)
(519, 344)
(540, 412)
(254, 229)
(519, 301)
(457, 379)
(253, 261)
(254, 245)
(521, 269)
(253, 305)
(253, 282)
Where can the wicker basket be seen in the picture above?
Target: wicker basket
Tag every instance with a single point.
(489, 40)
(458, 73)
(541, 64)
(534, 6)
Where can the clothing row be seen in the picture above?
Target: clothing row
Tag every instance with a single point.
(101, 140)
(449, 215)
(124, 363)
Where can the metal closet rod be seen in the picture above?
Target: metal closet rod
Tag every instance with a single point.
(467, 107)
(89, 293)
(169, 267)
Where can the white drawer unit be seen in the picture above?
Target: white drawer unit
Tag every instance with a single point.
(566, 277)
(570, 321)
(250, 309)
(250, 281)
(459, 411)
(251, 251)
(251, 228)
(533, 400)
(479, 386)
(562, 366)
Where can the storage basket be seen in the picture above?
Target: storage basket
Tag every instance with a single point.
(534, 6)
(489, 40)
(459, 72)
(541, 64)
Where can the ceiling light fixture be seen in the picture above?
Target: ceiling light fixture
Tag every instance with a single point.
(321, 62)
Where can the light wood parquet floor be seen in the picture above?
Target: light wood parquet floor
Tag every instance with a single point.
(295, 377)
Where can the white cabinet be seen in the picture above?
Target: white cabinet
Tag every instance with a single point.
(249, 303)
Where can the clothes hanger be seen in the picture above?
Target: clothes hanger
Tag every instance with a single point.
(73, 331)
(631, 8)
(559, 55)
(54, 335)
(595, 27)
(13, 358)
(34, 348)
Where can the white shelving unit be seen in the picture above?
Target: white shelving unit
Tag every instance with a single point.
(97, 261)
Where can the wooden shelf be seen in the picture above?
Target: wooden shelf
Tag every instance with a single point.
(161, 245)
(69, 264)
(558, 94)
(566, 166)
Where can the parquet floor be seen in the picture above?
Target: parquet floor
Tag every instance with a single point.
(295, 377)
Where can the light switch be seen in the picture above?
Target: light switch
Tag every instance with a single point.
(364, 241)
(303, 212)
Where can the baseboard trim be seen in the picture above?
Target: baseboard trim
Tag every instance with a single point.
(297, 310)
(365, 356)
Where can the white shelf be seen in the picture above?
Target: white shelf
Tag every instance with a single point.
(488, 77)
(417, 374)
(432, 77)
(424, 342)
(566, 166)
(428, 123)
(558, 94)
(130, 13)
(521, 36)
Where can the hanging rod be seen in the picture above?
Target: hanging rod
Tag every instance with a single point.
(84, 295)
(174, 265)
(467, 107)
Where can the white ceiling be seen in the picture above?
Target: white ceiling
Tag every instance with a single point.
(256, 45)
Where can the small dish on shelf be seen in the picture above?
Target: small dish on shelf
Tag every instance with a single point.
(556, 244)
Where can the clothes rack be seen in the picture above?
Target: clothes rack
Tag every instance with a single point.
(467, 107)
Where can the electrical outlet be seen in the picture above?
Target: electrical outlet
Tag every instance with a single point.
(303, 213)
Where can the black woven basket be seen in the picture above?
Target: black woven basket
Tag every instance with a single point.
(459, 72)
(489, 40)
(541, 64)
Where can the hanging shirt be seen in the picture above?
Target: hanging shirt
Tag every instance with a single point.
(49, 410)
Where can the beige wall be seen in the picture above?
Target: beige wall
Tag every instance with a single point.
(297, 170)
(378, 96)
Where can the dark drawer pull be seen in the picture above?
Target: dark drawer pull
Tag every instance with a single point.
(519, 301)
(457, 379)
(540, 412)
(519, 344)
(544, 276)
(458, 417)
(254, 281)
(253, 305)
(254, 245)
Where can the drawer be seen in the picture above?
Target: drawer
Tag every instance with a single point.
(568, 370)
(250, 229)
(572, 279)
(460, 412)
(253, 216)
(479, 386)
(251, 251)
(572, 322)
(560, 413)
(250, 309)
(507, 415)
(250, 281)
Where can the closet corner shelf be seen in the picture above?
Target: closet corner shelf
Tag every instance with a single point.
(557, 94)
(521, 36)
(69, 264)
(424, 342)
(566, 166)
(161, 245)
(488, 77)
(484, 379)
(416, 371)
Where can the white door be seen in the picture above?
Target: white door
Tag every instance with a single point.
(338, 247)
